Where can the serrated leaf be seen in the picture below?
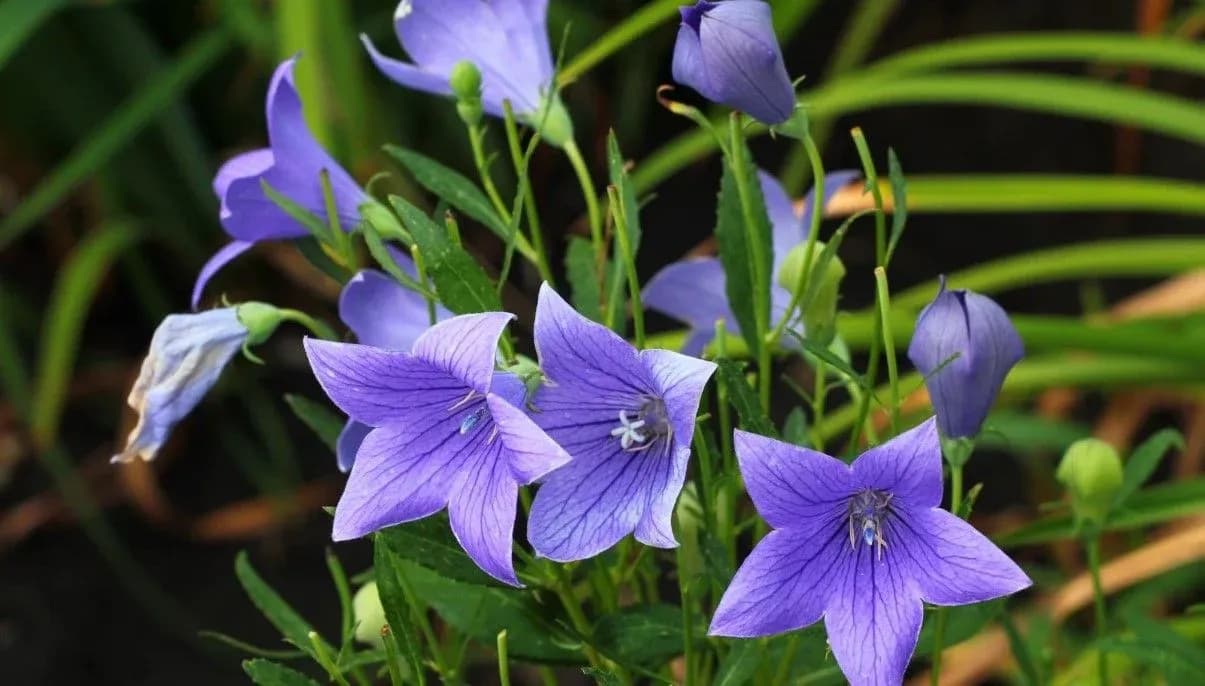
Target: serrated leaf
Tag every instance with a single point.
(318, 417)
(1143, 462)
(282, 615)
(641, 635)
(398, 612)
(267, 673)
(452, 187)
(631, 211)
(732, 375)
(481, 612)
(795, 428)
(748, 289)
(429, 542)
(461, 283)
(583, 279)
(899, 201)
(740, 664)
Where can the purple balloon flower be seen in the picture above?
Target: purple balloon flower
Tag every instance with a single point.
(972, 337)
(188, 353)
(507, 40)
(291, 165)
(384, 314)
(694, 290)
(448, 432)
(627, 417)
(728, 52)
(860, 545)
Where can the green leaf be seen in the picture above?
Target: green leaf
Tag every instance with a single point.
(795, 428)
(732, 375)
(1158, 644)
(318, 417)
(583, 279)
(318, 228)
(481, 612)
(899, 201)
(601, 677)
(825, 354)
(282, 616)
(1148, 506)
(1030, 672)
(452, 187)
(962, 622)
(398, 612)
(739, 244)
(19, 19)
(267, 673)
(462, 285)
(641, 635)
(1143, 462)
(740, 664)
(429, 542)
(631, 212)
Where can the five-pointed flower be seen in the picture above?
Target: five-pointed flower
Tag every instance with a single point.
(448, 432)
(728, 52)
(507, 40)
(627, 418)
(188, 353)
(965, 345)
(693, 290)
(859, 545)
(292, 166)
(384, 314)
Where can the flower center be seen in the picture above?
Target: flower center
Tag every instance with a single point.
(868, 510)
(639, 429)
(474, 408)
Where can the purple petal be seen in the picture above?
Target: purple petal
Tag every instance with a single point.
(253, 163)
(873, 617)
(692, 291)
(688, 67)
(791, 485)
(743, 61)
(375, 386)
(529, 451)
(680, 380)
(381, 312)
(908, 466)
(465, 347)
(951, 562)
(482, 511)
(788, 231)
(348, 445)
(784, 584)
(214, 264)
(407, 74)
(656, 525)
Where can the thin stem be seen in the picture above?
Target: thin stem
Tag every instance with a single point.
(503, 660)
(520, 161)
(884, 304)
(564, 591)
(420, 268)
(590, 196)
(316, 326)
(688, 657)
(323, 656)
(477, 143)
(1092, 546)
(629, 263)
(819, 396)
(809, 251)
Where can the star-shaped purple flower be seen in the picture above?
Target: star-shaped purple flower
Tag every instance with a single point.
(627, 417)
(859, 545)
(694, 290)
(448, 432)
(384, 314)
(291, 165)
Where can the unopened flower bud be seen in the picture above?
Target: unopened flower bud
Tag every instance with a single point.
(822, 291)
(369, 614)
(260, 320)
(1092, 472)
(465, 82)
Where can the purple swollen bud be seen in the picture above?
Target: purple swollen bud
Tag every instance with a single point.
(728, 52)
(965, 345)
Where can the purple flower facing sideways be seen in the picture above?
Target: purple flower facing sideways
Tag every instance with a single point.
(694, 290)
(727, 51)
(291, 165)
(384, 314)
(627, 417)
(188, 353)
(506, 40)
(448, 431)
(860, 545)
(965, 345)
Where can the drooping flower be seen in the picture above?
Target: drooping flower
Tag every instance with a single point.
(860, 545)
(728, 52)
(693, 290)
(507, 40)
(965, 345)
(384, 314)
(188, 353)
(626, 417)
(448, 431)
(292, 166)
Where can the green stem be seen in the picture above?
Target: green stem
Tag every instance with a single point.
(1092, 546)
(316, 326)
(939, 629)
(884, 304)
(688, 657)
(323, 657)
(819, 397)
(629, 263)
(503, 660)
(564, 591)
(477, 143)
(627, 31)
(590, 196)
(521, 162)
(801, 287)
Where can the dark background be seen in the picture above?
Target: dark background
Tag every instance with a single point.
(70, 615)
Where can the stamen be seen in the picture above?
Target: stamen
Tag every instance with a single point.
(868, 512)
(470, 420)
(464, 401)
(639, 430)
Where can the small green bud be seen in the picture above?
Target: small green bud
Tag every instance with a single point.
(820, 313)
(1092, 472)
(261, 320)
(384, 222)
(370, 615)
(465, 82)
(552, 121)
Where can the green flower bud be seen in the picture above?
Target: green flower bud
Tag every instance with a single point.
(370, 616)
(465, 82)
(820, 312)
(384, 222)
(1092, 472)
(261, 320)
(552, 121)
